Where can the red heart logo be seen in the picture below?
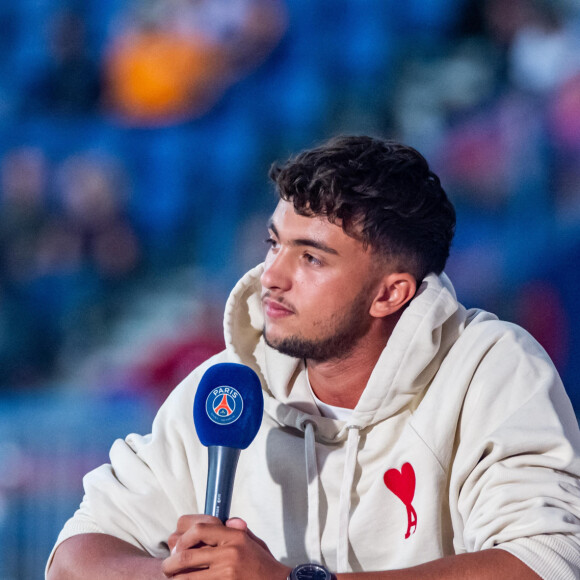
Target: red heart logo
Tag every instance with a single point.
(402, 483)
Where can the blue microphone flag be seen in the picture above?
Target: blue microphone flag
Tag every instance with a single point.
(228, 406)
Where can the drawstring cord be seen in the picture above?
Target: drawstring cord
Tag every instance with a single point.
(345, 497)
(313, 547)
(313, 537)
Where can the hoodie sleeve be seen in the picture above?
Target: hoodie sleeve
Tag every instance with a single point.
(515, 479)
(150, 481)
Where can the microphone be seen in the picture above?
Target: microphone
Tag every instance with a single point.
(227, 413)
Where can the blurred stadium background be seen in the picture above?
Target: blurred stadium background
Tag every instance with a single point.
(135, 140)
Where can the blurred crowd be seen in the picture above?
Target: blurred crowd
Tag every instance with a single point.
(135, 139)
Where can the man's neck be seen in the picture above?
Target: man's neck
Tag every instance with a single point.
(341, 382)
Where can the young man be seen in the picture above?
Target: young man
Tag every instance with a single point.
(403, 435)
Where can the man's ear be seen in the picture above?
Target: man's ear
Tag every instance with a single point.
(394, 291)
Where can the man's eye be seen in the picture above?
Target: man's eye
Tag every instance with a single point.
(271, 242)
(312, 260)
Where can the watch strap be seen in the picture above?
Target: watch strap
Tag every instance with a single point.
(294, 573)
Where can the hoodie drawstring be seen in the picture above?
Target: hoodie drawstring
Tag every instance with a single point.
(313, 523)
(345, 496)
(313, 537)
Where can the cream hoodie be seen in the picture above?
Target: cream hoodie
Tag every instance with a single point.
(463, 440)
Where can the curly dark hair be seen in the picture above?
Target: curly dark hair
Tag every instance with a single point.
(381, 193)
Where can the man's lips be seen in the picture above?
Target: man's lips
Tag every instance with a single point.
(275, 309)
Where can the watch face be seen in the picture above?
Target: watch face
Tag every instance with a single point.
(311, 572)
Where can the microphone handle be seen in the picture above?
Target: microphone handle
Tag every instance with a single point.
(222, 463)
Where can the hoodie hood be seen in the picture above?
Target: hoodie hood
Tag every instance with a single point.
(426, 330)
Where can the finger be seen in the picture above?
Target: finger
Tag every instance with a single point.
(192, 560)
(188, 520)
(240, 524)
(208, 534)
(172, 540)
(237, 523)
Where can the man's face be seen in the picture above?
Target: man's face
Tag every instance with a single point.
(317, 287)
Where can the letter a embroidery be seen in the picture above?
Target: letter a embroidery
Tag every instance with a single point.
(402, 484)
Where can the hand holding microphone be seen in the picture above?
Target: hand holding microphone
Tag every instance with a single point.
(227, 413)
(202, 544)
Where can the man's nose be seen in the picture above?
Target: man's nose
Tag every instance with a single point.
(277, 272)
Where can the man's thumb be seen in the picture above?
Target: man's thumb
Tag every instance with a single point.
(237, 523)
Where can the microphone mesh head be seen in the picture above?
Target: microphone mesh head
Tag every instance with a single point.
(228, 406)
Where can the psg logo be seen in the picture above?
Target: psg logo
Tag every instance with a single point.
(224, 405)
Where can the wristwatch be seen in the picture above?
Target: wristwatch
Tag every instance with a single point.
(311, 572)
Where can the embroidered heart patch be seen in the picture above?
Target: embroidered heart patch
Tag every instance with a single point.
(402, 484)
